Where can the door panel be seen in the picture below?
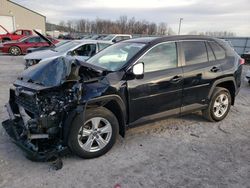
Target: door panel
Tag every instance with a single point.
(160, 88)
(199, 75)
(155, 92)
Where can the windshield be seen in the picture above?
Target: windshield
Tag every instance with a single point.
(67, 46)
(109, 37)
(114, 57)
(48, 73)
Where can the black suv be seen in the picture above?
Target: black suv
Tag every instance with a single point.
(83, 106)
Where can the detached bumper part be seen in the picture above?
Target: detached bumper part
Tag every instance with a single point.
(11, 127)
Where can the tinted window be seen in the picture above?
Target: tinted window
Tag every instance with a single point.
(34, 39)
(218, 51)
(102, 46)
(118, 38)
(160, 57)
(27, 33)
(85, 50)
(211, 56)
(194, 52)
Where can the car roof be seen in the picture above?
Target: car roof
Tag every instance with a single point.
(169, 38)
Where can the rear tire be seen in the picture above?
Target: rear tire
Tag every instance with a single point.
(219, 105)
(95, 134)
(14, 50)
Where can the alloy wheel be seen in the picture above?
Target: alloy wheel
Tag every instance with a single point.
(15, 51)
(220, 105)
(95, 134)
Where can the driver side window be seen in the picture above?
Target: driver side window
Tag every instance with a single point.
(86, 50)
(160, 57)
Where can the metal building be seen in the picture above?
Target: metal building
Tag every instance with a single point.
(240, 44)
(14, 16)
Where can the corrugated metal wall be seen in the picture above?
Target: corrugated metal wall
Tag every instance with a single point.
(240, 44)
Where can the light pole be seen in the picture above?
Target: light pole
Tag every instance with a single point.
(180, 26)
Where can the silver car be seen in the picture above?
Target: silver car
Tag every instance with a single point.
(80, 49)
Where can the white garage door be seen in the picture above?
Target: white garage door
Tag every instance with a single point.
(7, 22)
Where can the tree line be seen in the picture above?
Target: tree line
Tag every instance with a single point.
(121, 25)
(124, 25)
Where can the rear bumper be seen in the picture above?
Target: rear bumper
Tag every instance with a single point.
(12, 127)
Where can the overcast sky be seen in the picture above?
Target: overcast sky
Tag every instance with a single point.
(199, 15)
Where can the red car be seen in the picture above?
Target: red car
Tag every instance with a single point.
(20, 47)
(16, 35)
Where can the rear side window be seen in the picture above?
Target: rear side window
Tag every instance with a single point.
(194, 52)
(218, 51)
(160, 57)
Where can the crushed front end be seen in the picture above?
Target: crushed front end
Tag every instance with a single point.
(42, 100)
(43, 104)
(36, 121)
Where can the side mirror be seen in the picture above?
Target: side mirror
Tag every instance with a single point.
(138, 69)
(114, 40)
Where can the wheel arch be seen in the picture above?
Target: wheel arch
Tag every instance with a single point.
(115, 104)
(228, 83)
(6, 38)
(17, 47)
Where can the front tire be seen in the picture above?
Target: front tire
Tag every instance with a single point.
(14, 50)
(219, 105)
(95, 135)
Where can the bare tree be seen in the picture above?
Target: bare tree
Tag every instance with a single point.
(162, 28)
(122, 25)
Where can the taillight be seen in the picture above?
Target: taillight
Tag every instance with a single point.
(242, 61)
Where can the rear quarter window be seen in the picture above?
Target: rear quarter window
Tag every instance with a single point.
(211, 56)
(219, 52)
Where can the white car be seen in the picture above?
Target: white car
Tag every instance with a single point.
(80, 49)
(117, 37)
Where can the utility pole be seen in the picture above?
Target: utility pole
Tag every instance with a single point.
(180, 26)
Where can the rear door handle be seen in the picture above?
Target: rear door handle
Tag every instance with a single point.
(215, 69)
(176, 79)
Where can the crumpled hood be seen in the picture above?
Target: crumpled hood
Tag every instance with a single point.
(43, 54)
(55, 72)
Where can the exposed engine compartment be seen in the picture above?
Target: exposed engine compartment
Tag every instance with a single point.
(40, 107)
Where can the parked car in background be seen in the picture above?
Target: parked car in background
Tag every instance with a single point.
(20, 47)
(117, 37)
(66, 103)
(98, 37)
(81, 49)
(60, 43)
(16, 35)
(248, 76)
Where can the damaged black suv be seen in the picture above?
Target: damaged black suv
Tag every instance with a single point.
(67, 105)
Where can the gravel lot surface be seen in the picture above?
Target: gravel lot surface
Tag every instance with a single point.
(176, 152)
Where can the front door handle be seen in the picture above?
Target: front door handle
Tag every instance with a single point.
(176, 79)
(215, 69)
